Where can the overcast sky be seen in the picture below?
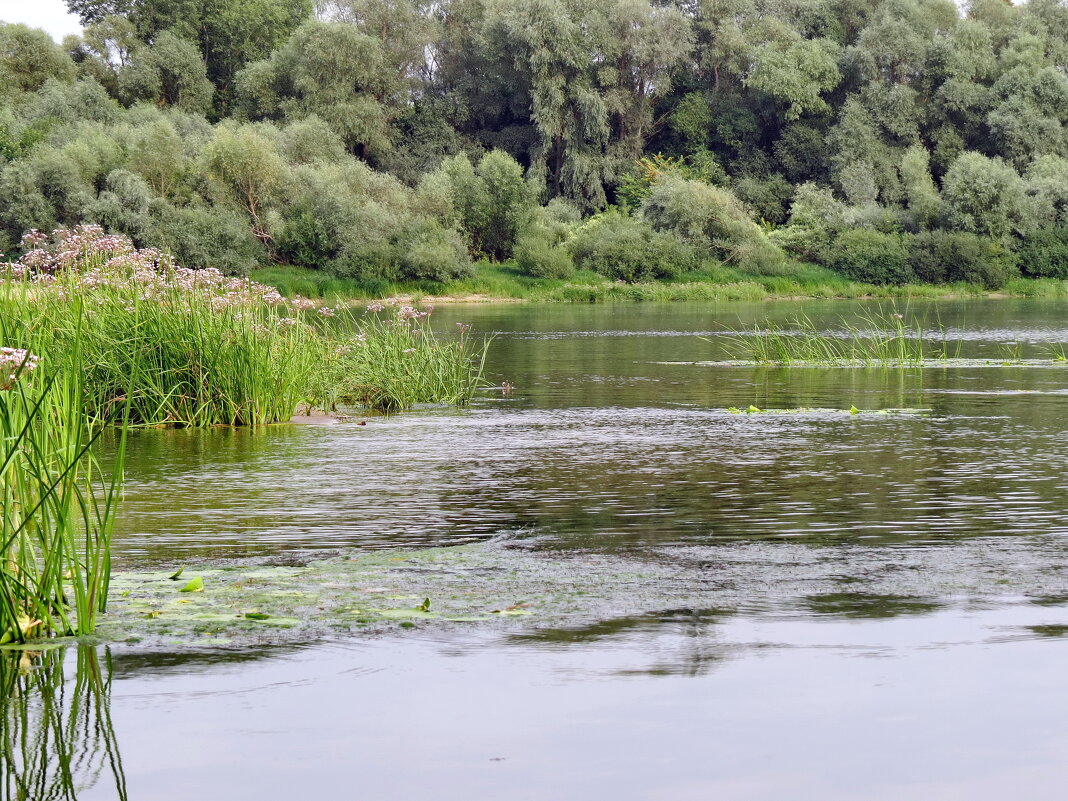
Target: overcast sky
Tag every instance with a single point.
(48, 14)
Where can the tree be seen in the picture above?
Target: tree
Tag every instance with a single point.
(228, 33)
(28, 58)
(334, 71)
(170, 72)
(245, 162)
(985, 196)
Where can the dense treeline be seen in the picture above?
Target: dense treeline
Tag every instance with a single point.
(892, 140)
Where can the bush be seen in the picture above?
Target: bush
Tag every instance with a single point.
(306, 238)
(1045, 254)
(939, 257)
(712, 220)
(628, 249)
(768, 197)
(872, 257)
(202, 236)
(535, 256)
(428, 251)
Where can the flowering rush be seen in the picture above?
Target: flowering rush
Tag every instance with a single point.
(89, 258)
(14, 363)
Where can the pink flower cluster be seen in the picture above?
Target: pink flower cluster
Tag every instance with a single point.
(15, 362)
(88, 259)
(69, 246)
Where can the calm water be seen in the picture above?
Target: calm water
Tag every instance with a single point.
(884, 616)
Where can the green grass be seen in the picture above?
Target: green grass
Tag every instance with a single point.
(713, 282)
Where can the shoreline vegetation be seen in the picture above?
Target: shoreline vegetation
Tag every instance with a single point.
(184, 347)
(557, 151)
(504, 283)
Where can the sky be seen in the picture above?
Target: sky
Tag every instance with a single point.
(48, 14)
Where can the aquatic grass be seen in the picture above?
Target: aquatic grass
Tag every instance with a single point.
(871, 340)
(395, 361)
(57, 509)
(196, 348)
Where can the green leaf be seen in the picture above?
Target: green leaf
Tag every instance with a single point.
(424, 606)
(195, 585)
(854, 410)
(177, 574)
(257, 616)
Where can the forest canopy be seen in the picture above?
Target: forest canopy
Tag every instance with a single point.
(892, 140)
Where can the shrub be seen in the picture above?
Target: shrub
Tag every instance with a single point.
(939, 257)
(712, 220)
(306, 237)
(871, 257)
(1044, 254)
(628, 249)
(985, 196)
(426, 250)
(536, 256)
(204, 236)
(768, 197)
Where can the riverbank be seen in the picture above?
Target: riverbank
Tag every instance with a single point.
(504, 283)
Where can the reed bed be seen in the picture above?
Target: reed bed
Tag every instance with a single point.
(197, 348)
(871, 340)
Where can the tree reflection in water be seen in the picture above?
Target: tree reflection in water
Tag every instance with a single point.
(56, 734)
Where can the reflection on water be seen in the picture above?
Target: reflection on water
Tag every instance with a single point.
(55, 725)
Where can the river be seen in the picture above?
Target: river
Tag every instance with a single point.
(874, 605)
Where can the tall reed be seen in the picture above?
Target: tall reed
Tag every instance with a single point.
(395, 360)
(56, 504)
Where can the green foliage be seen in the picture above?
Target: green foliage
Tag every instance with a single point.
(712, 220)
(370, 140)
(539, 258)
(985, 196)
(169, 72)
(1045, 254)
(335, 72)
(872, 257)
(628, 249)
(490, 202)
(940, 257)
(922, 195)
(636, 185)
(29, 58)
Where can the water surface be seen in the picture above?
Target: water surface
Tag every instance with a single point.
(877, 605)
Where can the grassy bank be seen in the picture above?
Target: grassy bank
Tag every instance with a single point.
(506, 282)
